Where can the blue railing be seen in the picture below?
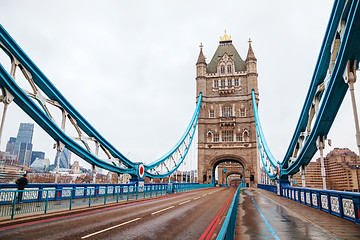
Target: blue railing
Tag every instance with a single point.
(46, 197)
(342, 204)
(227, 230)
(270, 188)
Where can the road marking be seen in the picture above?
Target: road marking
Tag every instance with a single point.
(107, 229)
(215, 222)
(184, 202)
(263, 217)
(197, 197)
(204, 195)
(162, 210)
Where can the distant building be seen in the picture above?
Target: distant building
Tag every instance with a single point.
(40, 165)
(8, 156)
(23, 143)
(342, 168)
(37, 154)
(65, 158)
(10, 145)
(75, 168)
(10, 170)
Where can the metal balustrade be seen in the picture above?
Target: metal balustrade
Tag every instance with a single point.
(339, 203)
(270, 188)
(48, 197)
(227, 230)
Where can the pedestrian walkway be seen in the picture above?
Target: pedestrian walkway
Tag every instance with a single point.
(264, 214)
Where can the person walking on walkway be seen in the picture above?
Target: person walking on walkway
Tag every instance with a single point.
(21, 183)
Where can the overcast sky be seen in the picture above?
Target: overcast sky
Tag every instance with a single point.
(129, 66)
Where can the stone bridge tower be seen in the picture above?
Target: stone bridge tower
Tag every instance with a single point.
(226, 126)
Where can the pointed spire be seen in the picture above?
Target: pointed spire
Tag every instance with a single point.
(201, 58)
(250, 55)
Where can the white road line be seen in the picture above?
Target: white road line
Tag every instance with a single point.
(184, 202)
(204, 195)
(107, 229)
(197, 197)
(162, 210)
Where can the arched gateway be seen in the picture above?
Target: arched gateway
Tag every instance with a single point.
(226, 126)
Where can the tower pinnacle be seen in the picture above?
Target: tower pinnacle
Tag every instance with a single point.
(201, 58)
(250, 55)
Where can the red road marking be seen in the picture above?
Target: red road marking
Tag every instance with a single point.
(215, 222)
(84, 213)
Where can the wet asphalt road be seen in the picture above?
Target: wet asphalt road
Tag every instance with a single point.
(183, 216)
(278, 222)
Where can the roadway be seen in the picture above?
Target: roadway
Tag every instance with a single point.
(193, 215)
(265, 215)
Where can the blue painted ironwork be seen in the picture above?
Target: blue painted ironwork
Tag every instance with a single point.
(268, 160)
(227, 230)
(40, 84)
(270, 188)
(340, 49)
(46, 197)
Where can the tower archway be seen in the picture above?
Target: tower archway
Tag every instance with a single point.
(224, 165)
(234, 179)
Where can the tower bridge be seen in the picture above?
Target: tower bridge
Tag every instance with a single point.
(231, 146)
(226, 122)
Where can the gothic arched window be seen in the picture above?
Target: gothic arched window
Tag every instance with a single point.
(222, 69)
(209, 136)
(246, 136)
(229, 68)
(242, 111)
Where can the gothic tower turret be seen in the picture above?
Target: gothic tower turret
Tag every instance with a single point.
(251, 69)
(201, 73)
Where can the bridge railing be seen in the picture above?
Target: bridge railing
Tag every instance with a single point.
(50, 197)
(267, 187)
(227, 230)
(339, 203)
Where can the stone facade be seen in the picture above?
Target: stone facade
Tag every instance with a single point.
(226, 126)
(342, 168)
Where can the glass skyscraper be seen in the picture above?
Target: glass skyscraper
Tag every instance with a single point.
(65, 158)
(23, 143)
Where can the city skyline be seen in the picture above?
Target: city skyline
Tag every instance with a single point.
(161, 89)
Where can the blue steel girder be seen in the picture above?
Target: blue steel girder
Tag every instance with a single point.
(340, 48)
(44, 119)
(345, 19)
(267, 159)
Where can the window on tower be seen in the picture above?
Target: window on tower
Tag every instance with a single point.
(227, 112)
(237, 83)
(222, 83)
(229, 82)
(212, 114)
(227, 136)
(229, 68)
(216, 137)
(243, 112)
(216, 83)
(222, 69)
(239, 137)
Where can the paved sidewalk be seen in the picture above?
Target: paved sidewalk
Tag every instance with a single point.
(281, 218)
